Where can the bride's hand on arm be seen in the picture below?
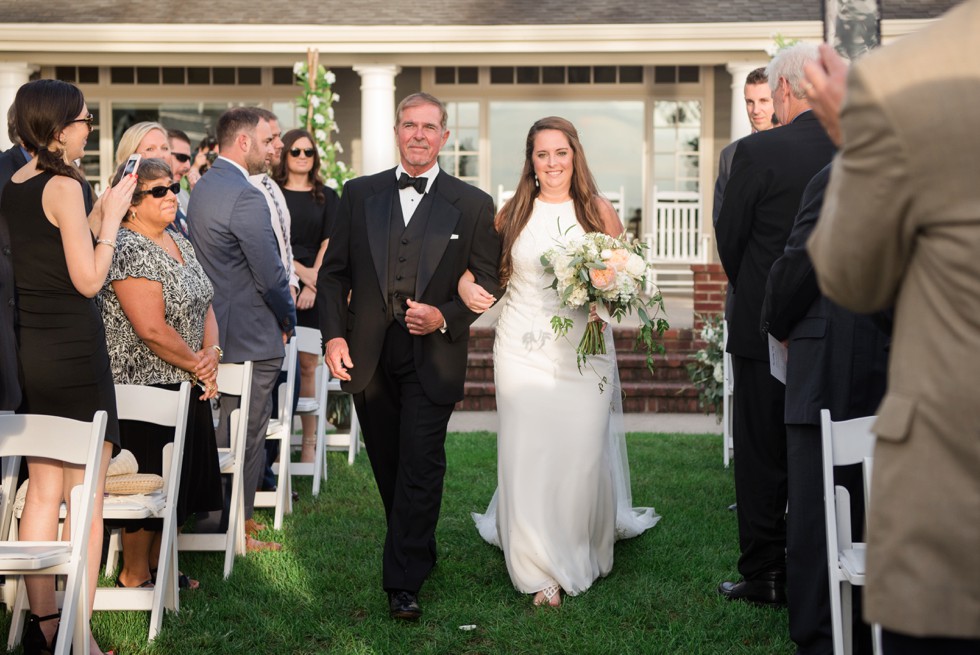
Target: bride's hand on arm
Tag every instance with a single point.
(476, 298)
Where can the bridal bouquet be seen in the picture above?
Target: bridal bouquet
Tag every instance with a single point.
(609, 275)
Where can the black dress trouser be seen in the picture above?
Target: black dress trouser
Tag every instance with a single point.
(760, 468)
(405, 436)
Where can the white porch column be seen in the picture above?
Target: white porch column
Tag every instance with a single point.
(12, 76)
(377, 116)
(740, 120)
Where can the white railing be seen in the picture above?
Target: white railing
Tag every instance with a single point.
(676, 235)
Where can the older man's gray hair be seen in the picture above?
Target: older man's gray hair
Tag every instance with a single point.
(788, 64)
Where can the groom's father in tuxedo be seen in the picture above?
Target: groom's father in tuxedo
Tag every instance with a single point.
(236, 246)
(770, 170)
(400, 243)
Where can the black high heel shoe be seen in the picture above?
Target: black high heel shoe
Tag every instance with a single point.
(34, 642)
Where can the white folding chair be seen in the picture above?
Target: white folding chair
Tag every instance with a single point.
(73, 442)
(844, 443)
(309, 341)
(166, 408)
(235, 380)
(727, 398)
(281, 429)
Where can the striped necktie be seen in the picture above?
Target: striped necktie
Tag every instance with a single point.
(267, 183)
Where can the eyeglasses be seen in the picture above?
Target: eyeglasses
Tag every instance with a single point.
(158, 191)
(87, 120)
(306, 151)
(181, 157)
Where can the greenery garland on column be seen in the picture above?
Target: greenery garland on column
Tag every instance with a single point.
(314, 108)
(315, 111)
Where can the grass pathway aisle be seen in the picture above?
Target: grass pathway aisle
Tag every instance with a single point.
(322, 594)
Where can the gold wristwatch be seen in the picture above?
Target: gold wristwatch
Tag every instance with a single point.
(221, 353)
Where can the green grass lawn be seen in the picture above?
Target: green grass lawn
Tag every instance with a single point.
(322, 593)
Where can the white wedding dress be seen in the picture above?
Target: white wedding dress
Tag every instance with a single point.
(563, 493)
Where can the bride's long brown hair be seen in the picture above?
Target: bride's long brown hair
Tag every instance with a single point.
(515, 213)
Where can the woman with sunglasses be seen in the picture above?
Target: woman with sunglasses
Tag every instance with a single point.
(312, 208)
(156, 305)
(60, 258)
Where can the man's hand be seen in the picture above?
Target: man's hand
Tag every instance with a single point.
(825, 88)
(422, 319)
(338, 358)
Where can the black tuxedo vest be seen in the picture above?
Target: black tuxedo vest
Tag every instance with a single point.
(404, 251)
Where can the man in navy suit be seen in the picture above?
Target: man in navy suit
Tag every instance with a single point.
(236, 246)
(770, 170)
(401, 241)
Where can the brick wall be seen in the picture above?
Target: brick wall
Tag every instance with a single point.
(710, 286)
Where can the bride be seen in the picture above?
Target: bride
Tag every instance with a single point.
(563, 494)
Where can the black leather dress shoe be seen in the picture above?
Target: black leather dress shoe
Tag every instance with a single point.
(404, 605)
(766, 589)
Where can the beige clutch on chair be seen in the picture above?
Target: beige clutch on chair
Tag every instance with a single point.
(123, 478)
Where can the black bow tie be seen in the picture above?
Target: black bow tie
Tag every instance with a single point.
(404, 181)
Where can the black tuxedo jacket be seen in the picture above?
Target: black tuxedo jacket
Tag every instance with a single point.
(11, 160)
(459, 236)
(770, 170)
(838, 360)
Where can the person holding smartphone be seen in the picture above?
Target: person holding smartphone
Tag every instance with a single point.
(156, 304)
(60, 259)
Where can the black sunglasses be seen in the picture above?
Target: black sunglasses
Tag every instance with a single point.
(181, 157)
(306, 151)
(159, 191)
(87, 120)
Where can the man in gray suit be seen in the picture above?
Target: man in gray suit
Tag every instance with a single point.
(236, 246)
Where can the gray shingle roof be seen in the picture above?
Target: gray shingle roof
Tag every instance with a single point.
(439, 12)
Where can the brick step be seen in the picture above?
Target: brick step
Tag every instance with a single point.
(667, 389)
(675, 340)
(665, 397)
(632, 367)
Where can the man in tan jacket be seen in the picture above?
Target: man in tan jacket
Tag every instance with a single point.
(901, 226)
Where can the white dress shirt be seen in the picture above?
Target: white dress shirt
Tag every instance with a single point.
(410, 198)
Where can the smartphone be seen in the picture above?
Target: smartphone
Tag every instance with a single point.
(132, 164)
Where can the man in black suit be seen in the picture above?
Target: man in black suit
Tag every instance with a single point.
(769, 173)
(838, 360)
(400, 243)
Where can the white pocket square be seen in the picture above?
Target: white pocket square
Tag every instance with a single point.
(454, 236)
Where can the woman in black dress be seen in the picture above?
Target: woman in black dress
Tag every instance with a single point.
(60, 260)
(156, 305)
(312, 207)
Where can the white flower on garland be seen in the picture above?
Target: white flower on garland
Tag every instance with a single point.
(316, 113)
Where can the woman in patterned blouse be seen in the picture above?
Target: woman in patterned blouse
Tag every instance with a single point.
(161, 330)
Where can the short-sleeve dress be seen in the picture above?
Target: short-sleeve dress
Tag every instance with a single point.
(61, 338)
(311, 223)
(187, 294)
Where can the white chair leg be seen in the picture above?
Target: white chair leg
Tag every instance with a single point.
(282, 484)
(112, 556)
(837, 626)
(355, 439)
(19, 615)
(319, 456)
